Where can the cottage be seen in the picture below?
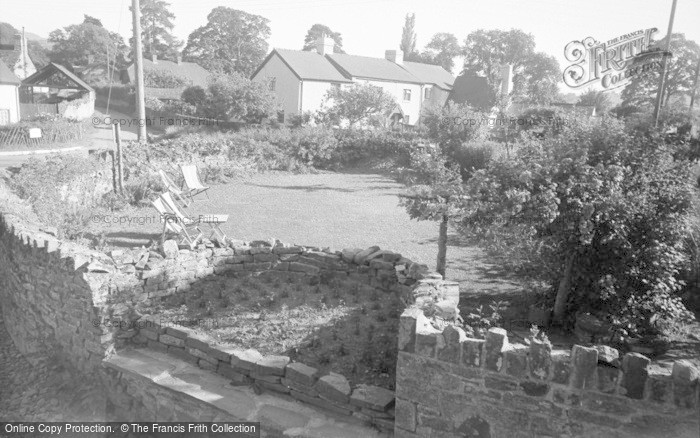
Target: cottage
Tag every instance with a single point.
(301, 79)
(56, 90)
(166, 80)
(9, 96)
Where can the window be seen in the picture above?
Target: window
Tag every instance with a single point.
(407, 94)
(406, 120)
(273, 84)
(428, 92)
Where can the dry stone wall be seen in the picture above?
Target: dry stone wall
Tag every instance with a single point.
(448, 385)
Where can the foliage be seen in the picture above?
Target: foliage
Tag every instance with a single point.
(54, 128)
(478, 323)
(597, 98)
(609, 209)
(441, 50)
(408, 35)
(157, 30)
(642, 88)
(234, 97)
(231, 41)
(195, 96)
(535, 74)
(356, 104)
(454, 124)
(356, 145)
(158, 78)
(316, 31)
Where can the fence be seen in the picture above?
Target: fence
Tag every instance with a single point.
(19, 135)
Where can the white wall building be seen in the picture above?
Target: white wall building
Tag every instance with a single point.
(9, 96)
(301, 79)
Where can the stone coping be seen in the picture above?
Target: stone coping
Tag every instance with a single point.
(277, 413)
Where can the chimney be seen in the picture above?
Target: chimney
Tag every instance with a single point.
(395, 56)
(154, 58)
(179, 59)
(506, 79)
(325, 45)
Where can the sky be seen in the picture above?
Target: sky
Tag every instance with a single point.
(371, 27)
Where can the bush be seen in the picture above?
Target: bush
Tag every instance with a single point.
(164, 79)
(358, 145)
(607, 211)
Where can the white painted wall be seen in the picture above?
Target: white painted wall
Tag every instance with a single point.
(410, 108)
(287, 87)
(9, 99)
(313, 95)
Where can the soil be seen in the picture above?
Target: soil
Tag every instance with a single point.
(342, 327)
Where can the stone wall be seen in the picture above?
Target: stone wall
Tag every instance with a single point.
(449, 385)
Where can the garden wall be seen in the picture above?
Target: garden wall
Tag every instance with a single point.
(448, 385)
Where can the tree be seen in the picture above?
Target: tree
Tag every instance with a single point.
(606, 213)
(156, 29)
(436, 193)
(444, 47)
(356, 104)
(37, 52)
(92, 20)
(87, 44)
(597, 98)
(680, 76)
(318, 30)
(408, 36)
(235, 97)
(535, 75)
(231, 41)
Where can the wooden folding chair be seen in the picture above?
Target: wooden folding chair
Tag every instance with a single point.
(173, 223)
(192, 183)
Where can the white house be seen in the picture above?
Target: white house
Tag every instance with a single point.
(301, 79)
(9, 95)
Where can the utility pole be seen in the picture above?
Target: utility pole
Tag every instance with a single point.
(666, 54)
(138, 70)
(695, 87)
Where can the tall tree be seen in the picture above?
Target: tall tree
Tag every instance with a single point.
(680, 77)
(321, 29)
(443, 48)
(408, 36)
(92, 20)
(86, 44)
(600, 99)
(231, 41)
(157, 30)
(533, 73)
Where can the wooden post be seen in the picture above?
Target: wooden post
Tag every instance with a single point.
(662, 79)
(120, 157)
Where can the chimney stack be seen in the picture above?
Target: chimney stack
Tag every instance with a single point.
(325, 45)
(154, 58)
(395, 56)
(506, 79)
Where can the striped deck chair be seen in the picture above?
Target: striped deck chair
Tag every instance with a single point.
(192, 183)
(187, 231)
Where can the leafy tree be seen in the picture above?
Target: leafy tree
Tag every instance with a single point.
(37, 52)
(92, 20)
(600, 99)
(605, 211)
(157, 29)
(435, 193)
(321, 29)
(231, 41)
(195, 96)
(87, 44)
(452, 125)
(408, 36)
(235, 97)
(444, 47)
(535, 75)
(680, 76)
(356, 104)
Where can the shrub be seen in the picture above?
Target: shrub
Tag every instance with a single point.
(164, 79)
(607, 210)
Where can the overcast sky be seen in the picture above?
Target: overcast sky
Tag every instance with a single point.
(371, 27)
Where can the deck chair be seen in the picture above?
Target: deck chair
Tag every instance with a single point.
(173, 224)
(213, 221)
(192, 183)
(172, 187)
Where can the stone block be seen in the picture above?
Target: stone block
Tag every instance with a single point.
(635, 372)
(472, 352)
(453, 337)
(361, 256)
(270, 365)
(237, 378)
(534, 389)
(608, 355)
(170, 249)
(372, 397)
(685, 384)
(259, 258)
(584, 361)
(405, 415)
(245, 360)
(202, 355)
(171, 340)
(561, 367)
(178, 332)
(334, 387)
(426, 344)
(496, 343)
(540, 359)
(195, 340)
(301, 267)
(515, 361)
(220, 352)
(301, 374)
(607, 403)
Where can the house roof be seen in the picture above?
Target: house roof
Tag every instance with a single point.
(430, 74)
(7, 76)
(49, 70)
(190, 70)
(307, 65)
(372, 68)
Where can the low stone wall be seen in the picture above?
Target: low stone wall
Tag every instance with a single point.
(451, 386)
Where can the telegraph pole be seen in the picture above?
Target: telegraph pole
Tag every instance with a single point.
(662, 80)
(138, 70)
